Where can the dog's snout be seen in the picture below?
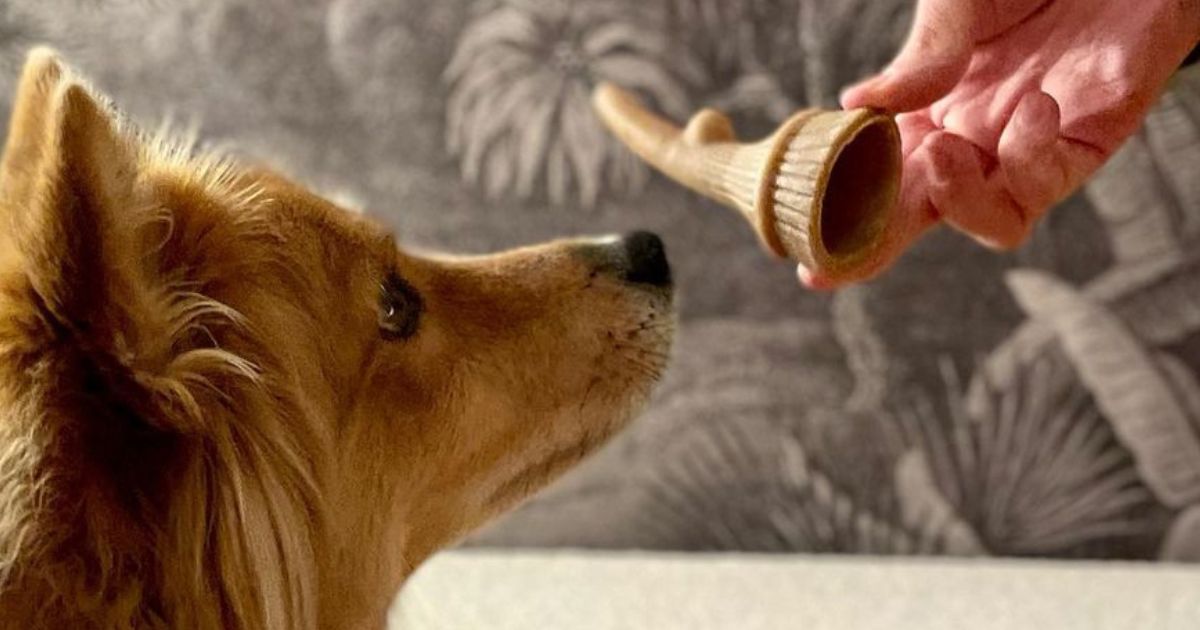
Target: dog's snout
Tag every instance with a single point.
(646, 260)
(637, 258)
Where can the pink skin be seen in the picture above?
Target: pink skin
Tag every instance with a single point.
(1007, 106)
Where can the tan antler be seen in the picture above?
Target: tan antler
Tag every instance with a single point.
(819, 190)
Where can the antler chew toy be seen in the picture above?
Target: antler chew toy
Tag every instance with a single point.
(818, 190)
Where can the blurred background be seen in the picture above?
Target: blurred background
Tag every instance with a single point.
(1039, 403)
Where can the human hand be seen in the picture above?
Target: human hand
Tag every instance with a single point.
(1007, 106)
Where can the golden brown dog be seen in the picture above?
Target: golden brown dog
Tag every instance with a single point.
(227, 403)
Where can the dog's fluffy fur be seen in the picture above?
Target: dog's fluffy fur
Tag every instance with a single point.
(227, 403)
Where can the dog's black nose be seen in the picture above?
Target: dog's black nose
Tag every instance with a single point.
(646, 260)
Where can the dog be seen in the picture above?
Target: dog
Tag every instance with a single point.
(226, 402)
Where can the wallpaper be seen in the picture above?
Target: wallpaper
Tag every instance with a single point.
(1042, 402)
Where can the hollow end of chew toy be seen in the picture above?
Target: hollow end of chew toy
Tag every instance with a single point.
(853, 199)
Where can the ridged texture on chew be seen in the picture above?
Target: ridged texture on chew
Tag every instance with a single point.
(796, 194)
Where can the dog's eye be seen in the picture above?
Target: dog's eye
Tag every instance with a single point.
(399, 308)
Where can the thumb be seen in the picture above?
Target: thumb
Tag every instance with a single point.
(930, 64)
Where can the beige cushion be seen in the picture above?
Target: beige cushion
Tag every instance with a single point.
(469, 590)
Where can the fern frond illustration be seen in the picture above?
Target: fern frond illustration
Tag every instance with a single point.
(519, 114)
(1129, 385)
(1034, 468)
(748, 486)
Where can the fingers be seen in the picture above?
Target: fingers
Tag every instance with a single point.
(1040, 167)
(996, 200)
(933, 59)
(913, 130)
(959, 188)
(1026, 145)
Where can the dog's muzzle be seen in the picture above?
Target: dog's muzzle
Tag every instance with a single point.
(637, 258)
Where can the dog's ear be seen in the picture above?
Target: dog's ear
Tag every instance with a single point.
(42, 74)
(115, 261)
(66, 176)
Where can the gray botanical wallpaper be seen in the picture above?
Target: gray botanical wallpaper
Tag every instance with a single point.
(1044, 402)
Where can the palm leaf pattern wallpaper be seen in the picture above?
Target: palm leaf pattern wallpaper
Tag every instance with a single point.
(1044, 402)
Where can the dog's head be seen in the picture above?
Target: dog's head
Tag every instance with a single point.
(227, 402)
